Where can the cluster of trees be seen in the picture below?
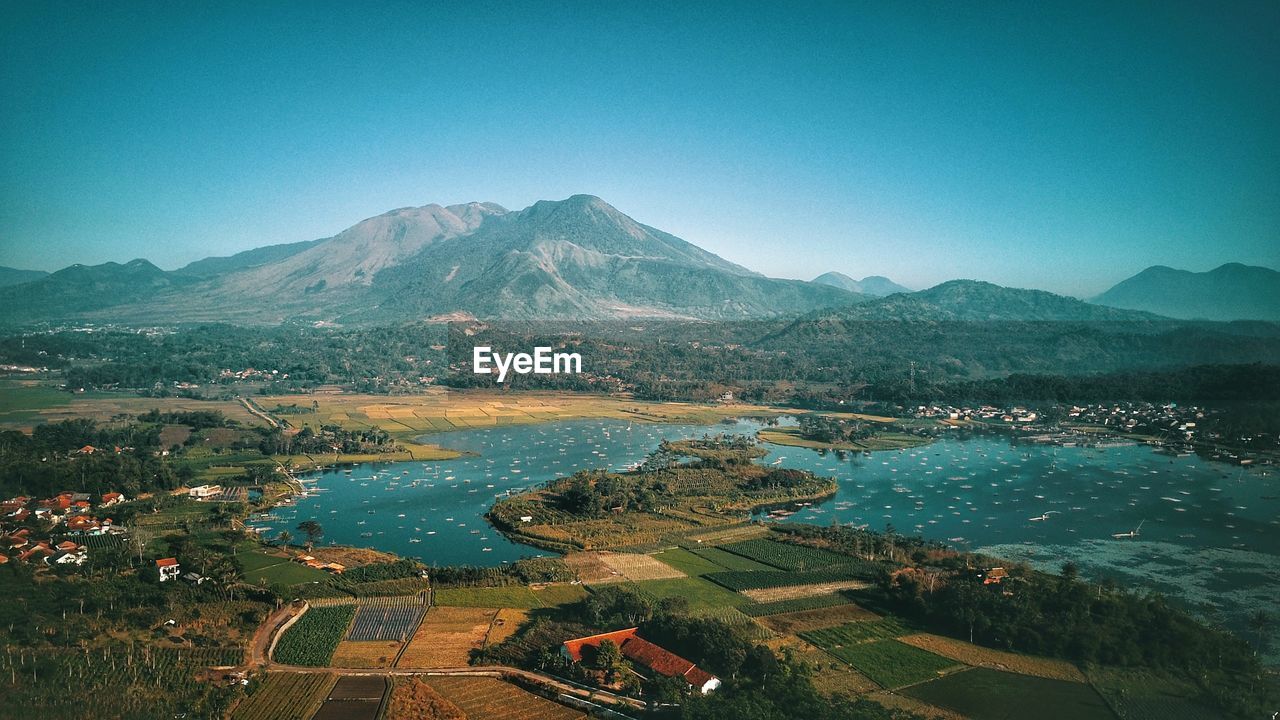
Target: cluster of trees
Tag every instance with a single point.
(521, 572)
(47, 462)
(828, 429)
(328, 439)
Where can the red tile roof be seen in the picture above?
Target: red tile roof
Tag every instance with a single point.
(637, 649)
(166, 562)
(617, 636)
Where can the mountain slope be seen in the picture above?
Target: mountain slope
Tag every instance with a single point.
(873, 285)
(574, 259)
(1230, 292)
(211, 266)
(13, 276)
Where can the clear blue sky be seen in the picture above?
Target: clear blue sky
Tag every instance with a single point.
(1060, 147)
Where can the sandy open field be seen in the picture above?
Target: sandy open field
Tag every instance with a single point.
(365, 653)
(636, 567)
(447, 636)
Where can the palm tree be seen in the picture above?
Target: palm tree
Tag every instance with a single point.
(312, 530)
(284, 537)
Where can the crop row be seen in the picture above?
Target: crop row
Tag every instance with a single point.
(285, 696)
(856, 632)
(385, 623)
(760, 579)
(813, 602)
(786, 556)
(313, 638)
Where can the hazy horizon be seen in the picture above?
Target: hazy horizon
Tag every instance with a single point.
(1060, 148)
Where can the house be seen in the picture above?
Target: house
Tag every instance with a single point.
(194, 578)
(112, 498)
(64, 557)
(202, 492)
(168, 568)
(994, 575)
(87, 450)
(644, 653)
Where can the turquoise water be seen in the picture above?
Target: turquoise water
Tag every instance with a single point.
(1209, 532)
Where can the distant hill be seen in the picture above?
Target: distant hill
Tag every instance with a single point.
(13, 276)
(873, 285)
(210, 266)
(574, 259)
(81, 290)
(974, 300)
(1230, 292)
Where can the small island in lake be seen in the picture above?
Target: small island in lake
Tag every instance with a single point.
(681, 486)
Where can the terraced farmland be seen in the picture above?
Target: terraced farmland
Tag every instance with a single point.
(285, 696)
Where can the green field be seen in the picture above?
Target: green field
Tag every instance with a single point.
(509, 596)
(984, 694)
(313, 638)
(785, 556)
(856, 632)
(813, 602)
(1143, 694)
(762, 579)
(285, 696)
(262, 568)
(890, 663)
(703, 596)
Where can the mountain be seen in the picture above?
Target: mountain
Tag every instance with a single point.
(973, 300)
(1230, 292)
(80, 290)
(211, 266)
(873, 285)
(13, 276)
(574, 259)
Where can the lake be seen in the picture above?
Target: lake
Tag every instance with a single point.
(1208, 532)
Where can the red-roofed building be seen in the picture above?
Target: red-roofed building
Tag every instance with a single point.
(168, 568)
(112, 498)
(644, 653)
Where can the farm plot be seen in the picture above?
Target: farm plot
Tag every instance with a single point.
(387, 619)
(970, 654)
(798, 592)
(702, 595)
(736, 533)
(493, 699)
(809, 620)
(984, 694)
(413, 699)
(831, 676)
(365, 653)
(446, 637)
(313, 638)
(511, 596)
(353, 697)
(786, 556)
(761, 579)
(855, 632)
(891, 663)
(636, 567)
(800, 604)
(504, 625)
(285, 696)
(589, 568)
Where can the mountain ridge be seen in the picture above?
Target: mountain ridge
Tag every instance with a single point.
(1232, 291)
